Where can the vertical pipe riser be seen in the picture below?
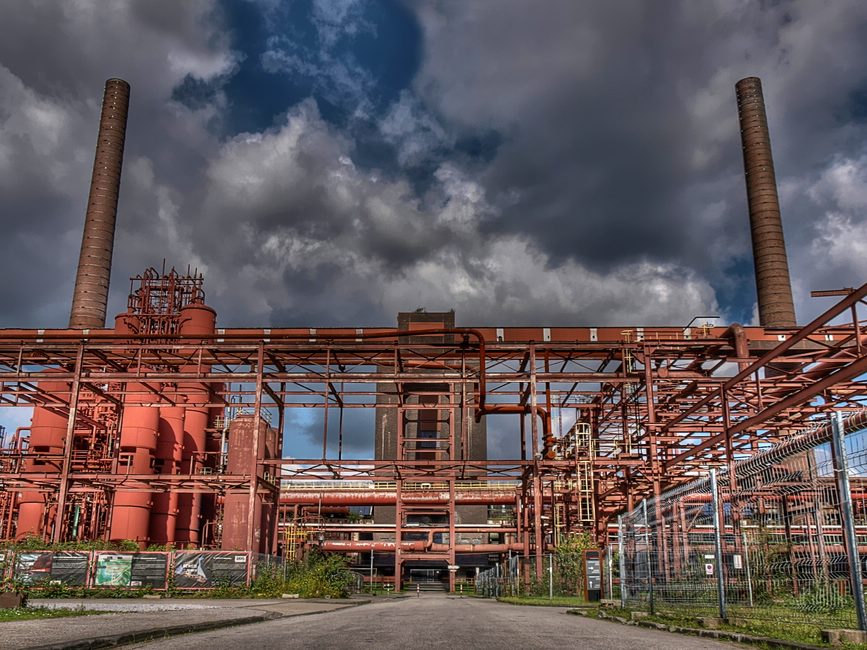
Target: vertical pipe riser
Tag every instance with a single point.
(774, 288)
(90, 297)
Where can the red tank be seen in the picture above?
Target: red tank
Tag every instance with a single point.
(131, 511)
(194, 319)
(236, 505)
(170, 438)
(47, 436)
(138, 442)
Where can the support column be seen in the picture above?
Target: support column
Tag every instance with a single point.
(252, 547)
(537, 482)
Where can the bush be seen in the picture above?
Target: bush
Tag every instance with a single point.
(318, 576)
(39, 544)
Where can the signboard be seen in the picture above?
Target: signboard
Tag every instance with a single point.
(149, 570)
(113, 570)
(592, 576)
(708, 568)
(204, 570)
(40, 567)
(453, 567)
(738, 561)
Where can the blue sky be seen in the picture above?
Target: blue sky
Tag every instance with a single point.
(335, 162)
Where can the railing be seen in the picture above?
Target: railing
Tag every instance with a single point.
(391, 486)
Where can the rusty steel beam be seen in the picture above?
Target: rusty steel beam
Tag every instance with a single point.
(670, 397)
(850, 371)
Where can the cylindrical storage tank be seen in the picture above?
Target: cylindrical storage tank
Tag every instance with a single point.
(234, 534)
(195, 319)
(138, 442)
(168, 455)
(236, 506)
(47, 437)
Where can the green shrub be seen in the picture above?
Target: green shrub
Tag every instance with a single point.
(38, 544)
(318, 576)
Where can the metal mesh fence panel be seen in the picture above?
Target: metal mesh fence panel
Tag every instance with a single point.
(769, 539)
(520, 577)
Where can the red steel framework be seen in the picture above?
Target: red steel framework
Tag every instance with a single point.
(130, 425)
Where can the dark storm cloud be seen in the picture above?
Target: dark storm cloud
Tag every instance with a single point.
(304, 429)
(54, 59)
(622, 138)
(579, 164)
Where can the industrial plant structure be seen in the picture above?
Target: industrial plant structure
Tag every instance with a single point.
(167, 429)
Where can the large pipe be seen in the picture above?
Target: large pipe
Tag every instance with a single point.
(774, 288)
(385, 497)
(90, 298)
(342, 546)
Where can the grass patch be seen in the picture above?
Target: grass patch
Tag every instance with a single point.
(773, 624)
(544, 601)
(29, 613)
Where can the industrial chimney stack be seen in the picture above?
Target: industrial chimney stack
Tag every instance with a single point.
(90, 298)
(776, 307)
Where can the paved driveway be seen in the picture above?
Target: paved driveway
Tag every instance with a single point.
(437, 621)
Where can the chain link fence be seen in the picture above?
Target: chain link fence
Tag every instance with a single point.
(519, 577)
(780, 537)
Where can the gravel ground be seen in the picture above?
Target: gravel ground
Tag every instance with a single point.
(128, 605)
(144, 616)
(435, 621)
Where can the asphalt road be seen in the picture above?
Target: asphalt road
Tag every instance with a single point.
(435, 621)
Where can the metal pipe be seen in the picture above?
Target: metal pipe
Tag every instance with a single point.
(350, 546)
(776, 307)
(383, 497)
(90, 297)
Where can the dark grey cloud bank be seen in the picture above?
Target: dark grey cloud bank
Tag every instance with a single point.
(613, 195)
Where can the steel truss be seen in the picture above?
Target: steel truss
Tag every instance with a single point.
(659, 406)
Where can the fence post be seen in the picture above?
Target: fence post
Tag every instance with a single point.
(842, 470)
(717, 534)
(550, 576)
(621, 561)
(649, 558)
(747, 565)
